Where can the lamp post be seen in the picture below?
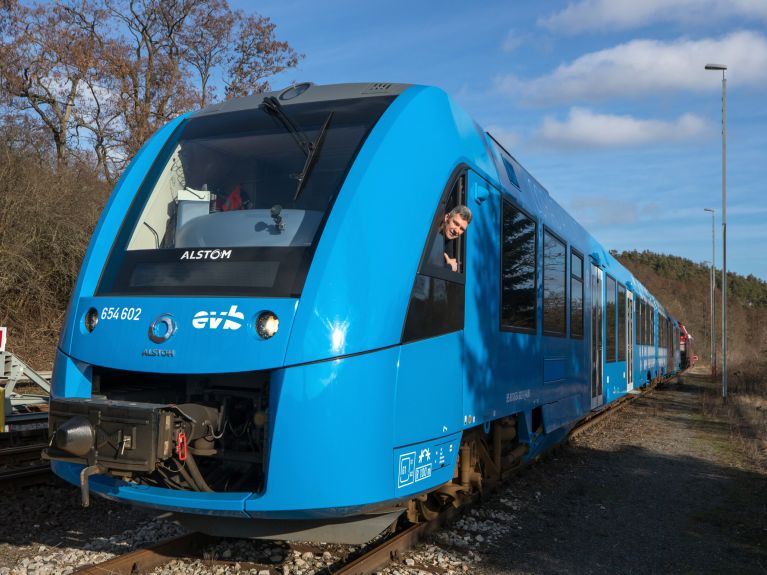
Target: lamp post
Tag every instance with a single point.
(712, 290)
(723, 68)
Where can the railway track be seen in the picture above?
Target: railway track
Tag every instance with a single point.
(20, 465)
(367, 560)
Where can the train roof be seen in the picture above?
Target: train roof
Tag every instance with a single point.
(308, 92)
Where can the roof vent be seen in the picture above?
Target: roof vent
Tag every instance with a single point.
(376, 88)
(295, 91)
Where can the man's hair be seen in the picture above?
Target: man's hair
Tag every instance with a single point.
(462, 211)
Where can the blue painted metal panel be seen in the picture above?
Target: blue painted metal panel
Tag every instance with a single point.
(70, 378)
(554, 369)
(332, 436)
(563, 412)
(428, 399)
(201, 502)
(213, 335)
(615, 380)
(425, 463)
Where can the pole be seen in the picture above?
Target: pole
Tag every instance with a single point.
(712, 291)
(724, 236)
(723, 68)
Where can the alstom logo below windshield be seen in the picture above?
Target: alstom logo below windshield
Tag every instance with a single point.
(231, 319)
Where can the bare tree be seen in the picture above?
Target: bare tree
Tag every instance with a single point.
(109, 73)
(153, 87)
(43, 60)
(206, 41)
(257, 55)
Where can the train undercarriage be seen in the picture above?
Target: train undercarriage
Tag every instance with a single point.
(209, 433)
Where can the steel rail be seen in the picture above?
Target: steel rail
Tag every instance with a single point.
(148, 558)
(16, 449)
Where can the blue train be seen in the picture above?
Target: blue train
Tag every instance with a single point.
(279, 330)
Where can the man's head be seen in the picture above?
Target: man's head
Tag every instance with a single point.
(456, 221)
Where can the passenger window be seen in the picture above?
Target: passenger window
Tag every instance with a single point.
(610, 320)
(554, 285)
(621, 323)
(437, 301)
(518, 270)
(576, 295)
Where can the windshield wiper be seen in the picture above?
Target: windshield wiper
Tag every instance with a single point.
(272, 106)
(311, 158)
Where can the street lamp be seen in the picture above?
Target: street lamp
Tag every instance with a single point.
(712, 282)
(723, 68)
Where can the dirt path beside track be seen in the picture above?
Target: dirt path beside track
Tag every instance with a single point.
(659, 488)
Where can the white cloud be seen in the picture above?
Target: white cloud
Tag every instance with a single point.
(512, 41)
(611, 15)
(584, 128)
(611, 211)
(643, 67)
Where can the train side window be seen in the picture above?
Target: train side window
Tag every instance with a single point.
(554, 285)
(576, 294)
(518, 270)
(647, 334)
(621, 323)
(610, 320)
(437, 301)
(644, 323)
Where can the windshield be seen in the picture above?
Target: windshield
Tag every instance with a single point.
(230, 207)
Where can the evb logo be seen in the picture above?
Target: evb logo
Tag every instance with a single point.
(231, 319)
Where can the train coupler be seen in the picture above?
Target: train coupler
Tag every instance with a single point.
(84, 475)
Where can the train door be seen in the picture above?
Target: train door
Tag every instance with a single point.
(597, 302)
(431, 360)
(629, 341)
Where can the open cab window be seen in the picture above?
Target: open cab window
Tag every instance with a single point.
(437, 300)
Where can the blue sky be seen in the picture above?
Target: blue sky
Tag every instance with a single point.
(606, 102)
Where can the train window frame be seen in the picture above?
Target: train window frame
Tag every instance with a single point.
(530, 330)
(647, 317)
(648, 324)
(611, 339)
(425, 266)
(423, 320)
(557, 238)
(622, 323)
(573, 278)
(644, 322)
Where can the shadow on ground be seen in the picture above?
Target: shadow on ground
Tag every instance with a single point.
(659, 490)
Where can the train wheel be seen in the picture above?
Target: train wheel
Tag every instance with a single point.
(429, 505)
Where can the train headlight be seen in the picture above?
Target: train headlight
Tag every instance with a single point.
(91, 319)
(267, 324)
